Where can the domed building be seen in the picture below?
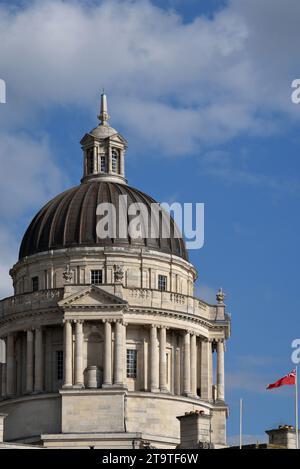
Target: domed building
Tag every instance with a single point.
(104, 343)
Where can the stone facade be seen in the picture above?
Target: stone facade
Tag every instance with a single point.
(116, 361)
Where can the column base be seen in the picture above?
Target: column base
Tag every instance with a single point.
(191, 395)
(107, 385)
(155, 390)
(220, 400)
(118, 386)
(67, 386)
(78, 386)
(165, 391)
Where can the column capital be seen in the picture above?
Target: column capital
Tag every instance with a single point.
(67, 321)
(78, 321)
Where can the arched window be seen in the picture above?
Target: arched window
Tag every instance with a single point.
(90, 161)
(115, 161)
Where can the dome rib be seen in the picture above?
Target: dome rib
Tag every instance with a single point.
(69, 220)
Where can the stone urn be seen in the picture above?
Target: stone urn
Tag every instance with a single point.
(92, 377)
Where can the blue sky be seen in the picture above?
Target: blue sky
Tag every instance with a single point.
(201, 90)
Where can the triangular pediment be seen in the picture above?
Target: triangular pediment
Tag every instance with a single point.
(93, 296)
(118, 138)
(89, 138)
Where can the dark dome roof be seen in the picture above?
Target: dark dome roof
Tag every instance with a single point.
(69, 220)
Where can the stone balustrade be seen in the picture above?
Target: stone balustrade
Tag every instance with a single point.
(47, 299)
(172, 301)
(42, 299)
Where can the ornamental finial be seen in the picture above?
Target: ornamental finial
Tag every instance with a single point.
(103, 116)
(220, 296)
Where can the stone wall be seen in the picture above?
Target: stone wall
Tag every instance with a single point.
(30, 416)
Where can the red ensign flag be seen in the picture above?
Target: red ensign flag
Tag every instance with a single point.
(288, 379)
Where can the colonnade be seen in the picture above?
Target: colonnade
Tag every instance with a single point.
(192, 361)
(114, 369)
(34, 364)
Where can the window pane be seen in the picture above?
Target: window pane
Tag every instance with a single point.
(35, 283)
(59, 364)
(103, 164)
(96, 276)
(114, 161)
(90, 161)
(162, 282)
(131, 363)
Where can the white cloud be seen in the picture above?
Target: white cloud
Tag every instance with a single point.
(234, 169)
(8, 256)
(29, 175)
(175, 86)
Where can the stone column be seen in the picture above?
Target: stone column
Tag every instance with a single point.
(109, 162)
(177, 371)
(194, 365)
(119, 354)
(68, 346)
(3, 373)
(10, 365)
(145, 365)
(206, 372)
(38, 360)
(78, 354)
(154, 360)
(220, 371)
(211, 369)
(187, 365)
(107, 376)
(3, 380)
(125, 355)
(29, 361)
(95, 156)
(162, 359)
(122, 155)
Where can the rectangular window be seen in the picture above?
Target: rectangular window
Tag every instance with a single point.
(90, 161)
(131, 363)
(96, 277)
(162, 282)
(59, 364)
(35, 283)
(103, 164)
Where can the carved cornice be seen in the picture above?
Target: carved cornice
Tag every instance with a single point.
(188, 317)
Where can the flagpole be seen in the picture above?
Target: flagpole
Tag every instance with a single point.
(241, 423)
(296, 410)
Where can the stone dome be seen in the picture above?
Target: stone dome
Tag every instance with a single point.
(69, 220)
(103, 131)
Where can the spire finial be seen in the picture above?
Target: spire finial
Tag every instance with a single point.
(103, 116)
